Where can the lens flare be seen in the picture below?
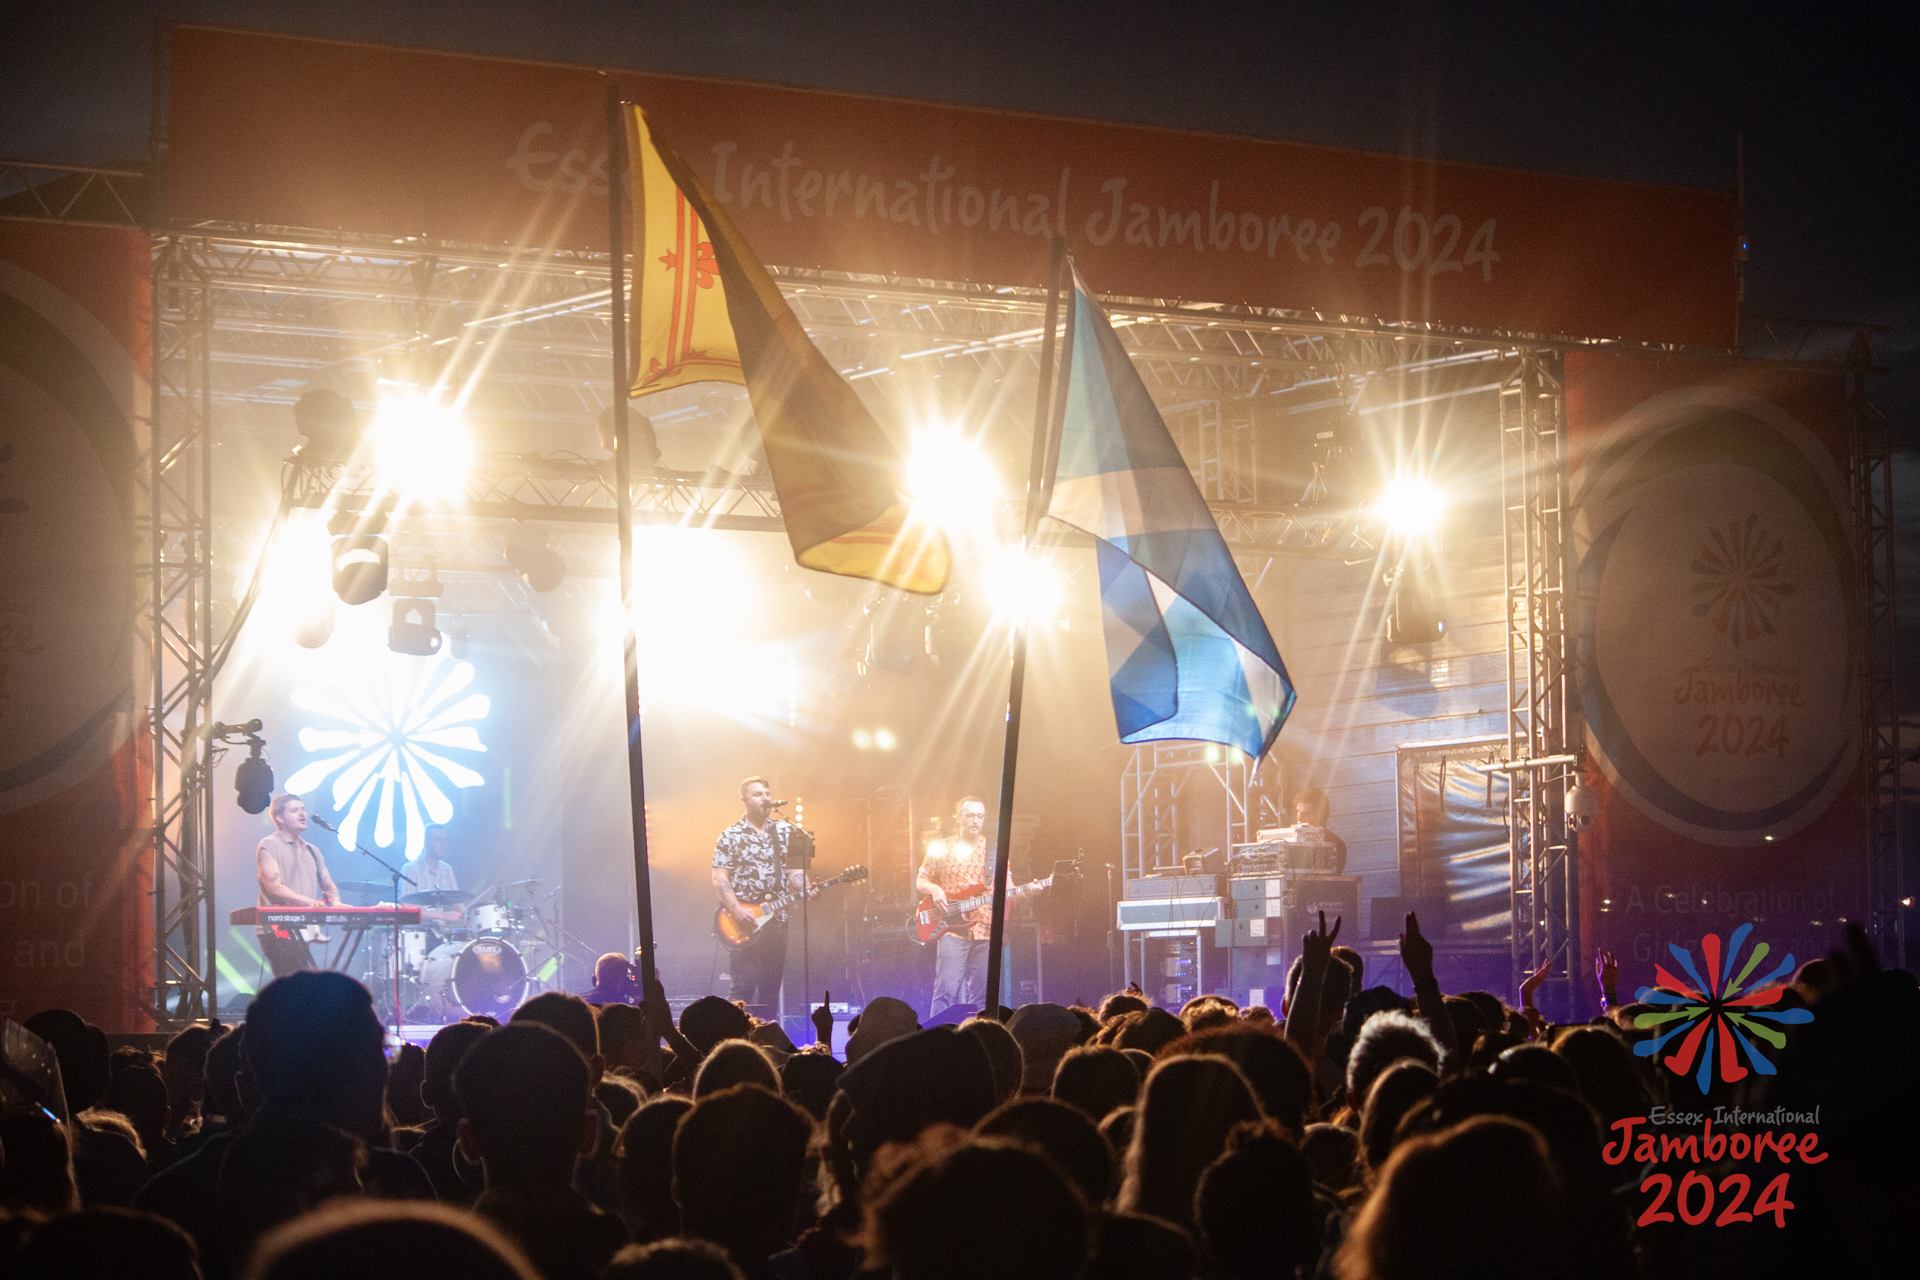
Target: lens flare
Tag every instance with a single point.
(421, 448)
(953, 484)
(1411, 506)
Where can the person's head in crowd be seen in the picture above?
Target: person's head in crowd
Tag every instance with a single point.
(1608, 1077)
(1187, 1108)
(524, 1093)
(1118, 1128)
(1044, 1032)
(1149, 1029)
(1254, 1210)
(449, 1044)
(1626, 1018)
(1384, 1040)
(1258, 1015)
(81, 1048)
(1361, 1006)
(139, 1092)
(36, 1165)
(1277, 1073)
(620, 1096)
(183, 1068)
(1135, 1246)
(280, 1167)
(1204, 1012)
(1492, 1009)
(1442, 1197)
(220, 1078)
(1119, 1003)
(772, 1037)
(1490, 1046)
(573, 1018)
(624, 1038)
(709, 1020)
(1041, 1224)
(1468, 1024)
(107, 1244)
(1088, 1020)
(884, 1020)
(1003, 1055)
(646, 1169)
(314, 1047)
(738, 1161)
(389, 1240)
(1356, 967)
(1067, 1137)
(1336, 986)
(404, 1076)
(808, 1080)
(1396, 1091)
(1334, 1152)
(611, 969)
(1538, 1063)
(1096, 1080)
(1817, 977)
(1142, 1061)
(940, 1075)
(672, 1260)
(735, 1062)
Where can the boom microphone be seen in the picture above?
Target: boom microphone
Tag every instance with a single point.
(323, 822)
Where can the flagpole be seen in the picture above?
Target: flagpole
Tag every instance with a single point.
(622, 476)
(1046, 412)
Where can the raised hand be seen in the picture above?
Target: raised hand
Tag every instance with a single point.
(1532, 984)
(1317, 946)
(653, 1003)
(1416, 950)
(1607, 970)
(822, 1019)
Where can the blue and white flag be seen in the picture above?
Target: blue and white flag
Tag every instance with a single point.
(1188, 654)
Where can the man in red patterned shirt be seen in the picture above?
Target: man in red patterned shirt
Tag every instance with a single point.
(953, 869)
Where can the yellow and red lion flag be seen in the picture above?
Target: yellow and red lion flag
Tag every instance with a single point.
(705, 310)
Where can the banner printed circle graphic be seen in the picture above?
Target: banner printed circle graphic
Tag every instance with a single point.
(1717, 616)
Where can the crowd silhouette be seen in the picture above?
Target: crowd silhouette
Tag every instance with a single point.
(1355, 1133)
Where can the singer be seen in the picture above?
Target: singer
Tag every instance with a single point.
(292, 874)
(750, 866)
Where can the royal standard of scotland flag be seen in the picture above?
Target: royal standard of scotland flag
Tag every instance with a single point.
(1188, 655)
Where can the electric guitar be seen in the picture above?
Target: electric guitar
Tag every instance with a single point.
(930, 920)
(735, 935)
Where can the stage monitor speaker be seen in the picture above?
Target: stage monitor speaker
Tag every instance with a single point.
(1304, 897)
(1389, 917)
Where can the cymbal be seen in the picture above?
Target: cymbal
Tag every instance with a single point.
(435, 898)
(522, 884)
(361, 886)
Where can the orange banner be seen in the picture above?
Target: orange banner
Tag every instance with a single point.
(294, 132)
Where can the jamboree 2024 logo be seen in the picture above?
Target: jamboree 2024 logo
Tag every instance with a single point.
(1722, 1019)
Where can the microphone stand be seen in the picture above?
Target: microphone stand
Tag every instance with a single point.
(397, 876)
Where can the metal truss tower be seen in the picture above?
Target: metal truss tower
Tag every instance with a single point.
(1540, 736)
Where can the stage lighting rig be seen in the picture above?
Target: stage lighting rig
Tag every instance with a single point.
(537, 563)
(330, 424)
(413, 630)
(359, 567)
(1412, 616)
(253, 780)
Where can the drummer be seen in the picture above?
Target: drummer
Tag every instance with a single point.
(431, 871)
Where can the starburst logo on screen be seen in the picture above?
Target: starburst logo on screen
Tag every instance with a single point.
(1737, 582)
(1713, 1014)
(399, 723)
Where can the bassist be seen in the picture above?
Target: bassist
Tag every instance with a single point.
(960, 957)
(749, 867)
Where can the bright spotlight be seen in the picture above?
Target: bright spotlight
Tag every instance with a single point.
(1022, 588)
(421, 448)
(862, 740)
(884, 740)
(1411, 506)
(952, 482)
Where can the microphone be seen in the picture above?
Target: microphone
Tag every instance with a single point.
(323, 822)
(780, 804)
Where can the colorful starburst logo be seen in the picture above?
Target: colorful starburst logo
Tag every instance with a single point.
(395, 718)
(1713, 1012)
(1737, 583)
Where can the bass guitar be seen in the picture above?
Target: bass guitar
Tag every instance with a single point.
(734, 934)
(930, 920)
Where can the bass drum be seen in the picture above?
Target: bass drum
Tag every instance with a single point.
(485, 975)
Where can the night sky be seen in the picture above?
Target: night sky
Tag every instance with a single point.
(1824, 97)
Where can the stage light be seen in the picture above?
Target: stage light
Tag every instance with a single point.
(1412, 617)
(952, 482)
(421, 448)
(1411, 506)
(862, 740)
(253, 780)
(329, 422)
(641, 437)
(1022, 588)
(1583, 806)
(359, 567)
(313, 622)
(413, 630)
(538, 564)
(884, 740)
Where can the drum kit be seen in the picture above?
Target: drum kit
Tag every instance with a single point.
(478, 963)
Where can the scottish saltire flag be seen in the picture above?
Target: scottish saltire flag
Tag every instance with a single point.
(1188, 654)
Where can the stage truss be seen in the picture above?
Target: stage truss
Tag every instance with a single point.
(250, 316)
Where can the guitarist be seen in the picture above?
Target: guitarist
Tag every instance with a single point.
(750, 866)
(960, 958)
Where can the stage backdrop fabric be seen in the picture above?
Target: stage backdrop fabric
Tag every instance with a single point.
(76, 922)
(1717, 626)
(287, 131)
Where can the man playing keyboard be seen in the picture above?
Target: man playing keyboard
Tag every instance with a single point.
(292, 874)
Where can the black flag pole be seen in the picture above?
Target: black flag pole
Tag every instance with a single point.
(1048, 410)
(623, 481)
